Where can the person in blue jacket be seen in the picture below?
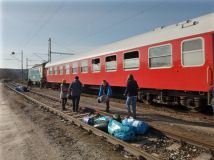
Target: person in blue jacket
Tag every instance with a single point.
(105, 93)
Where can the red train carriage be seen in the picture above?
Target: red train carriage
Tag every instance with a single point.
(172, 64)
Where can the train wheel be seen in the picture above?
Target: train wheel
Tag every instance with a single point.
(183, 100)
(140, 97)
(191, 105)
(200, 103)
(148, 99)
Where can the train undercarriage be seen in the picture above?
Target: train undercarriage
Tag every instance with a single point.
(193, 101)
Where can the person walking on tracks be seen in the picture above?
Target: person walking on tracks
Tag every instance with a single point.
(42, 83)
(131, 92)
(105, 93)
(29, 84)
(75, 89)
(63, 93)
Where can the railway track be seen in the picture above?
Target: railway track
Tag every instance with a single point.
(179, 137)
(74, 119)
(136, 151)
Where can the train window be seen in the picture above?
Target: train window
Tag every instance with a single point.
(67, 69)
(193, 52)
(160, 56)
(75, 68)
(96, 65)
(84, 66)
(50, 71)
(131, 60)
(111, 63)
(61, 70)
(55, 70)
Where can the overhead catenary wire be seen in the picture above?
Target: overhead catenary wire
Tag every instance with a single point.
(119, 22)
(39, 19)
(63, 47)
(94, 20)
(42, 25)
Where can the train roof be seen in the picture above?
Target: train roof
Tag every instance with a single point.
(193, 26)
(39, 65)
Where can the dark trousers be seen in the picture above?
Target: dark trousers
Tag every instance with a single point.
(107, 106)
(75, 100)
(64, 101)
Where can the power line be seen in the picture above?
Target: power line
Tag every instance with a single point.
(41, 26)
(61, 46)
(119, 22)
(37, 21)
(92, 21)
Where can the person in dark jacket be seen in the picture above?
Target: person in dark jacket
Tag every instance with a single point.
(75, 89)
(131, 92)
(63, 93)
(42, 82)
(105, 93)
(29, 84)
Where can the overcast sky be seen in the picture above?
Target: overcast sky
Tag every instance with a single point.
(78, 26)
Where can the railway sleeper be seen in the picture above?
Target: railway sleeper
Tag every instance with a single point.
(140, 154)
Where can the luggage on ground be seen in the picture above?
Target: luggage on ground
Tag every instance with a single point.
(102, 123)
(88, 120)
(21, 89)
(101, 119)
(139, 127)
(121, 131)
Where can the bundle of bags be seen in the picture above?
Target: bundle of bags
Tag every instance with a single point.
(125, 130)
(120, 131)
(21, 89)
(99, 122)
(139, 127)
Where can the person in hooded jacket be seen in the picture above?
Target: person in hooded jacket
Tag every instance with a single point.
(131, 92)
(63, 93)
(75, 89)
(105, 93)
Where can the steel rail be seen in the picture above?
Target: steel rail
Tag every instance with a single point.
(137, 152)
(181, 138)
(178, 137)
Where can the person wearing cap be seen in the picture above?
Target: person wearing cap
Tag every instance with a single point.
(131, 92)
(75, 90)
(63, 93)
(105, 93)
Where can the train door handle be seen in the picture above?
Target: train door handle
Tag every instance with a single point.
(209, 76)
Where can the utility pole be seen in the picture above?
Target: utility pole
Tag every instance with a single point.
(22, 66)
(26, 63)
(49, 50)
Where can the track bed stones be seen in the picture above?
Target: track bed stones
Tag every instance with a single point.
(174, 147)
(204, 156)
(73, 143)
(153, 142)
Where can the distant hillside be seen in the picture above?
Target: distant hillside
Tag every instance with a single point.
(13, 74)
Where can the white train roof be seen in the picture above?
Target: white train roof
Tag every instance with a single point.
(186, 28)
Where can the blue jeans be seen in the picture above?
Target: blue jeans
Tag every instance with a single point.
(131, 101)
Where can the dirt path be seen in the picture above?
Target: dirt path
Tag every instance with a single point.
(27, 133)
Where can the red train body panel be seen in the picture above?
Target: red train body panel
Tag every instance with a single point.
(176, 77)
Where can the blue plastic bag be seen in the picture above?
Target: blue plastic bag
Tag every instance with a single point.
(88, 120)
(102, 119)
(120, 131)
(125, 136)
(139, 127)
(21, 89)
